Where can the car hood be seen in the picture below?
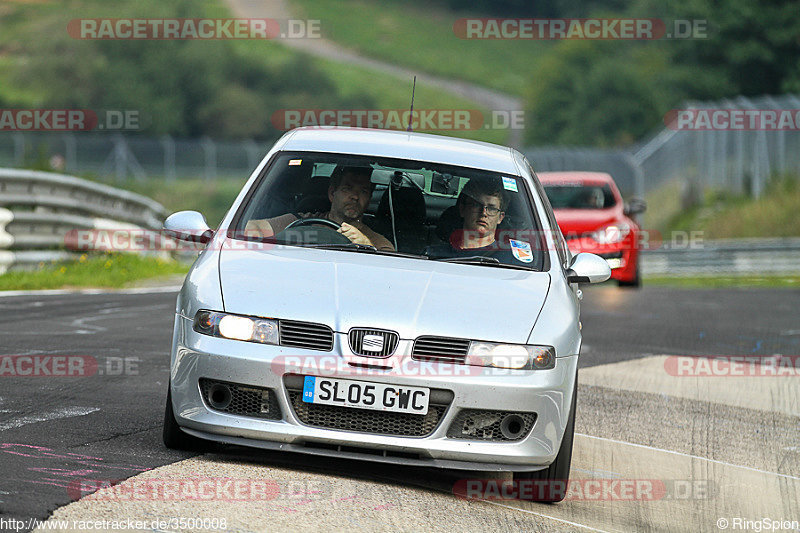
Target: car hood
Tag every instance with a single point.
(410, 296)
(580, 221)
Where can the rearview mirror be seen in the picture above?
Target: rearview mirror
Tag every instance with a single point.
(588, 268)
(188, 226)
(444, 184)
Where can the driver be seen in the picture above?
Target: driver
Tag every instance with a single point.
(349, 193)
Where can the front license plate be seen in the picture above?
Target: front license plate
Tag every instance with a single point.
(365, 395)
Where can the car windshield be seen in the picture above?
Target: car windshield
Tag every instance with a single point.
(580, 196)
(397, 207)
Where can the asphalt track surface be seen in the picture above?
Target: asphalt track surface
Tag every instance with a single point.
(728, 455)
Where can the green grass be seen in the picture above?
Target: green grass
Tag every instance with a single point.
(386, 91)
(394, 94)
(107, 270)
(418, 35)
(724, 216)
(23, 23)
(718, 282)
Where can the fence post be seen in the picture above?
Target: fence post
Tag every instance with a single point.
(70, 153)
(168, 144)
(19, 149)
(210, 152)
(120, 158)
(252, 150)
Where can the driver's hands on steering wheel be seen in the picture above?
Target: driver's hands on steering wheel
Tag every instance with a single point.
(353, 233)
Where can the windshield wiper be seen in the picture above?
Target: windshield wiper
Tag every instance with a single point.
(348, 246)
(472, 259)
(363, 248)
(482, 260)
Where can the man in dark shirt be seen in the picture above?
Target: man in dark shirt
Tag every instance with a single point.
(481, 205)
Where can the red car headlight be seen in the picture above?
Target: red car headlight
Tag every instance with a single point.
(612, 233)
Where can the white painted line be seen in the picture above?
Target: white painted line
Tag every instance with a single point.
(787, 476)
(67, 412)
(582, 526)
(137, 290)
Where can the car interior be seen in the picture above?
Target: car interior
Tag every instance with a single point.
(425, 212)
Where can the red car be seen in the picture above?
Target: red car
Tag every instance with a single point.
(593, 218)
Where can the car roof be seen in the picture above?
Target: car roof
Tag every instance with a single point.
(574, 176)
(403, 145)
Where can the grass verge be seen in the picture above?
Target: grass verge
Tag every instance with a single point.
(418, 35)
(107, 270)
(725, 282)
(725, 216)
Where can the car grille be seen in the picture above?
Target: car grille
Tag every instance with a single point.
(440, 349)
(364, 420)
(306, 335)
(255, 402)
(475, 424)
(357, 344)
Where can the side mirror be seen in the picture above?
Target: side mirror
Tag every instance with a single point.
(636, 206)
(588, 268)
(188, 226)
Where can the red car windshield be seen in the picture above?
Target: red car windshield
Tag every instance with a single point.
(580, 196)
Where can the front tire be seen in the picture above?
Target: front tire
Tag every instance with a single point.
(173, 436)
(554, 480)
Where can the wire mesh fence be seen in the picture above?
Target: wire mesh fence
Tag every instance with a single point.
(739, 158)
(734, 145)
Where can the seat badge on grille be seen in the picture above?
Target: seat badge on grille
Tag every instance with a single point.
(372, 343)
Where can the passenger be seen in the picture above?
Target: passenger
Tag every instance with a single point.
(349, 193)
(482, 206)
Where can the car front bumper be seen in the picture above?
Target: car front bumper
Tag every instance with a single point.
(547, 393)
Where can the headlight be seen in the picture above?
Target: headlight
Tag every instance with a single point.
(612, 233)
(514, 356)
(241, 328)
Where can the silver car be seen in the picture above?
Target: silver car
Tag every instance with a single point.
(386, 296)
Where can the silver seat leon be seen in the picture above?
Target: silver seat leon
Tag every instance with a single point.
(386, 296)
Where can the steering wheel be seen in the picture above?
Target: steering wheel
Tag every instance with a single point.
(306, 221)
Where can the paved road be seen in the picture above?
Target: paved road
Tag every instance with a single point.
(54, 430)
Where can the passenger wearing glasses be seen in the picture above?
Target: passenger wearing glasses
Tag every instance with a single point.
(481, 205)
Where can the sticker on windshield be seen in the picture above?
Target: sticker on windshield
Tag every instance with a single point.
(521, 250)
(295, 162)
(510, 184)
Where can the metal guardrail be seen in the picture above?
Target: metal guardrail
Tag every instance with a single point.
(38, 209)
(726, 257)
